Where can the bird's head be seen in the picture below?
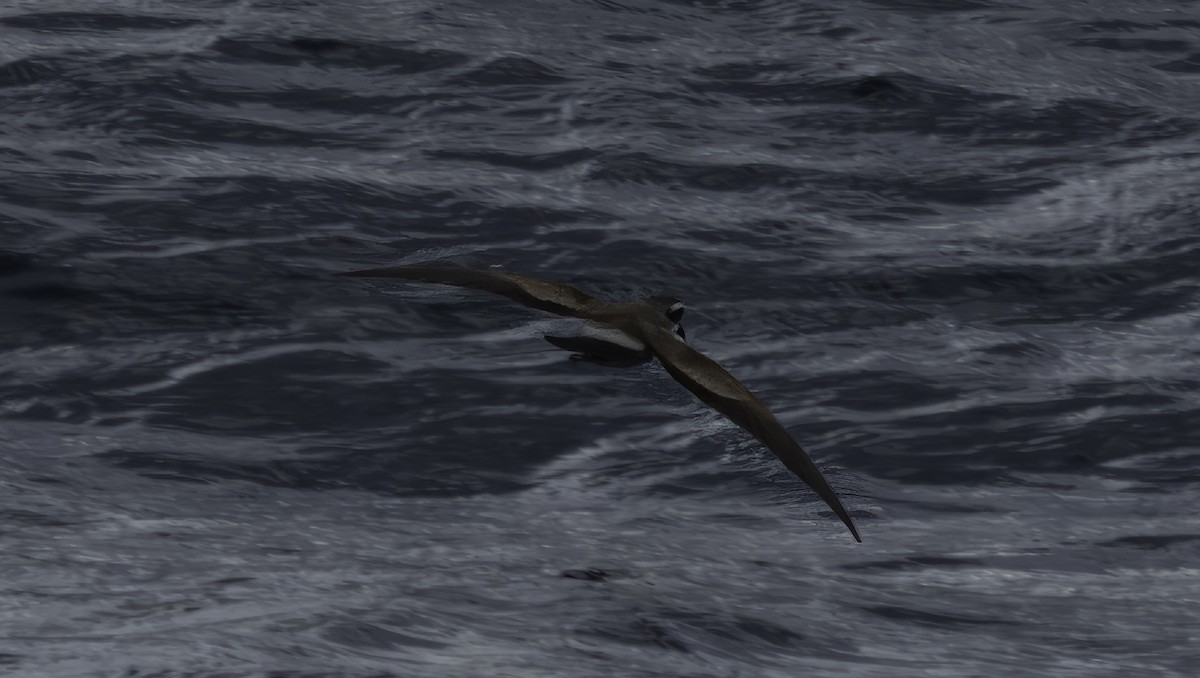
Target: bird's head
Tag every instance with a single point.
(672, 309)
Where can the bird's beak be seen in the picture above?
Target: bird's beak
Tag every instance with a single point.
(680, 332)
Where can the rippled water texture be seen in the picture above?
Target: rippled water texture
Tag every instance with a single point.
(953, 245)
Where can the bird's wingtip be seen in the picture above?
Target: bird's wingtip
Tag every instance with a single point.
(853, 530)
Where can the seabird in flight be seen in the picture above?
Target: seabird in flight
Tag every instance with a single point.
(628, 333)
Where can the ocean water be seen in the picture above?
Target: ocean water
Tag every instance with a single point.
(955, 246)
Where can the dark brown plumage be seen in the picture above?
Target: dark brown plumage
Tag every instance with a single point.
(650, 322)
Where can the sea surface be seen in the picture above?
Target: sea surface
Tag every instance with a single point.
(953, 245)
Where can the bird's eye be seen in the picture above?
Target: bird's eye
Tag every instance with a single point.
(675, 312)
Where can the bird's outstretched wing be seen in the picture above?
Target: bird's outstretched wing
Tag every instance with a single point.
(540, 294)
(725, 394)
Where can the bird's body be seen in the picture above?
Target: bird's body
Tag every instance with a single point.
(628, 333)
(604, 345)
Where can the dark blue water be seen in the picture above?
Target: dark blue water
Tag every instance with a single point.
(954, 245)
